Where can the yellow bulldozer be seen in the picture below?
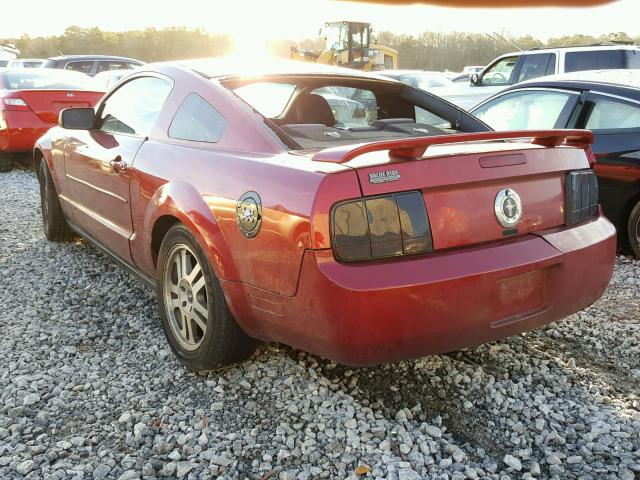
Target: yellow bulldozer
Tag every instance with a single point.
(348, 44)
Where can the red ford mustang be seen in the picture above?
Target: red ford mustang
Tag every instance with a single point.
(347, 215)
(30, 100)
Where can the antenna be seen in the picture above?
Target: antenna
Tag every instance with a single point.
(497, 36)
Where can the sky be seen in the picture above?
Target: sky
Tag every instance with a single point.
(297, 19)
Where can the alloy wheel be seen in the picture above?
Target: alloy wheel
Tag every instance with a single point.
(185, 296)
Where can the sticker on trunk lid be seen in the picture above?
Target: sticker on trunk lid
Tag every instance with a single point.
(384, 177)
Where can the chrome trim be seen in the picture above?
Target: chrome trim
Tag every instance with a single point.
(101, 220)
(101, 190)
(508, 221)
(604, 94)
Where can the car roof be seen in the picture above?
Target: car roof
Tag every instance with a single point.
(573, 48)
(622, 79)
(232, 66)
(93, 57)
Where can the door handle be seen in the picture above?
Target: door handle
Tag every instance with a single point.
(117, 165)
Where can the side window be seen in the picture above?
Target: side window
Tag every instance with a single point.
(113, 65)
(528, 109)
(533, 66)
(593, 60)
(609, 113)
(500, 72)
(197, 120)
(84, 67)
(134, 107)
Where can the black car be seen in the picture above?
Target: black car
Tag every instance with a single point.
(91, 64)
(606, 102)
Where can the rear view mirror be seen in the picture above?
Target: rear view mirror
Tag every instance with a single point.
(474, 79)
(77, 118)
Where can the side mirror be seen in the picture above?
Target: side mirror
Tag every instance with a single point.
(474, 79)
(77, 118)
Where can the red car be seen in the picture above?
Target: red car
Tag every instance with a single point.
(30, 100)
(257, 211)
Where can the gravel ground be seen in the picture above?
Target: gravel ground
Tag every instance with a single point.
(90, 389)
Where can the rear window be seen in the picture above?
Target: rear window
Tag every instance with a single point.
(114, 65)
(593, 60)
(319, 111)
(41, 79)
(84, 67)
(268, 98)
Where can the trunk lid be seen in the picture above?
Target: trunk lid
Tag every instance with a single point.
(460, 183)
(47, 104)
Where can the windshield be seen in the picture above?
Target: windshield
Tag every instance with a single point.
(46, 79)
(336, 34)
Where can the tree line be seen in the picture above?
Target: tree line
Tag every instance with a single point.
(428, 51)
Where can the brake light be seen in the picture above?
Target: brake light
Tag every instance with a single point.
(580, 196)
(15, 102)
(381, 227)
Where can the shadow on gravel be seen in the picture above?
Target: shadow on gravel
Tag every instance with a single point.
(426, 382)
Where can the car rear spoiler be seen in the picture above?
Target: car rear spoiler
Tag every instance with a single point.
(414, 148)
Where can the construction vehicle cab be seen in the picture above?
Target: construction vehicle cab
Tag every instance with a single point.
(348, 44)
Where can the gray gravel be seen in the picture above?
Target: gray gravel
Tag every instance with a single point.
(89, 388)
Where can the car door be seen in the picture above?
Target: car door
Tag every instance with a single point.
(97, 161)
(615, 122)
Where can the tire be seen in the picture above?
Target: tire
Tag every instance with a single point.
(54, 224)
(6, 162)
(195, 317)
(633, 230)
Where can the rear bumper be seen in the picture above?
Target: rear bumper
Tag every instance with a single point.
(372, 313)
(24, 128)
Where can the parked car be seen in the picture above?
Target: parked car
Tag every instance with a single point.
(469, 69)
(421, 79)
(606, 102)
(25, 63)
(516, 67)
(462, 79)
(30, 100)
(351, 243)
(91, 64)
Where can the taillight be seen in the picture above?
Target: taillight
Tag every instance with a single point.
(580, 196)
(381, 227)
(15, 102)
(12, 101)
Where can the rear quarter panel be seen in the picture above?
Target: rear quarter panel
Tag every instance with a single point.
(201, 188)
